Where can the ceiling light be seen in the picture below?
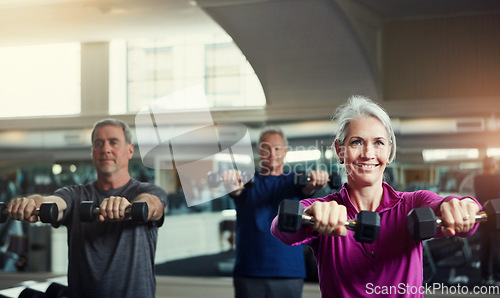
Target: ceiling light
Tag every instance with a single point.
(296, 156)
(238, 158)
(493, 152)
(431, 155)
(56, 169)
(329, 154)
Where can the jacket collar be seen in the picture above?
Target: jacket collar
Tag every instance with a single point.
(390, 198)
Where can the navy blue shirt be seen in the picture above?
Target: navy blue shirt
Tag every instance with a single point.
(258, 252)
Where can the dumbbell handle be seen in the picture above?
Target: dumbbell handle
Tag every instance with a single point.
(333, 180)
(138, 211)
(350, 224)
(309, 178)
(97, 211)
(220, 179)
(480, 217)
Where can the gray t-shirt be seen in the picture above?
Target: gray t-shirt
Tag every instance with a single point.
(109, 259)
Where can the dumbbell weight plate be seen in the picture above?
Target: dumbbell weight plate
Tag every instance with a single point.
(300, 178)
(334, 181)
(290, 216)
(139, 212)
(31, 293)
(48, 212)
(87, 211)
(56, 290)
(3, 212)
(367, 226)
(422, 223)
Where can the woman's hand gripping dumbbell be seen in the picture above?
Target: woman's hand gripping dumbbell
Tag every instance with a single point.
(423, 223)
(365, 226)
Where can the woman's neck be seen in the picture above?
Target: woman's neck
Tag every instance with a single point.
(367, 197)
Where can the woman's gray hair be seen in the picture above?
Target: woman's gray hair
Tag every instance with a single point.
(114, 122)
(272, 130)
(360, 107)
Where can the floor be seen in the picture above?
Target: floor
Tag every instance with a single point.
(210, 276)
(213, 273)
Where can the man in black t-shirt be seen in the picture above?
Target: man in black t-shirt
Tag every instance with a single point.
(111, 257)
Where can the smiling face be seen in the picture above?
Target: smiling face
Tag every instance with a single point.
(365, 152)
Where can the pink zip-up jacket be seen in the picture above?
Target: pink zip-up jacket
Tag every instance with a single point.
(391, 266)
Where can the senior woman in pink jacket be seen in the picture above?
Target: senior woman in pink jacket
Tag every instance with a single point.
(392, 264)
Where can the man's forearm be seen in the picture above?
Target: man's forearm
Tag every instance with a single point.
(61, 204)
(155, 207)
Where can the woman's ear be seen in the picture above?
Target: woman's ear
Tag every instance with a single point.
(340, 150)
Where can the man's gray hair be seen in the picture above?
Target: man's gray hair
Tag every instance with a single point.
(272, 130)
(114, 122)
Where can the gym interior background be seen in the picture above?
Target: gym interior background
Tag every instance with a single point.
(434, 66)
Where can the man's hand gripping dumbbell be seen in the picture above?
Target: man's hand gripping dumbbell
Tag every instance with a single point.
(114, 209)
(46, 213)
(315, 180)
(241, 178)
(365, 226)
(423, 223)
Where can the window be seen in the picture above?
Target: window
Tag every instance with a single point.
(157, 68)
(150, 73)
(222, 69)
(40, 80)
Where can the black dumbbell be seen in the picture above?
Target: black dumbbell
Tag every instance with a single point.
(138, 211)
(423, 223)
(301, 179)
(334, 181)
(56, 290)
(291, 217)
(48, 212)
(31, 293)
(215, 179)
